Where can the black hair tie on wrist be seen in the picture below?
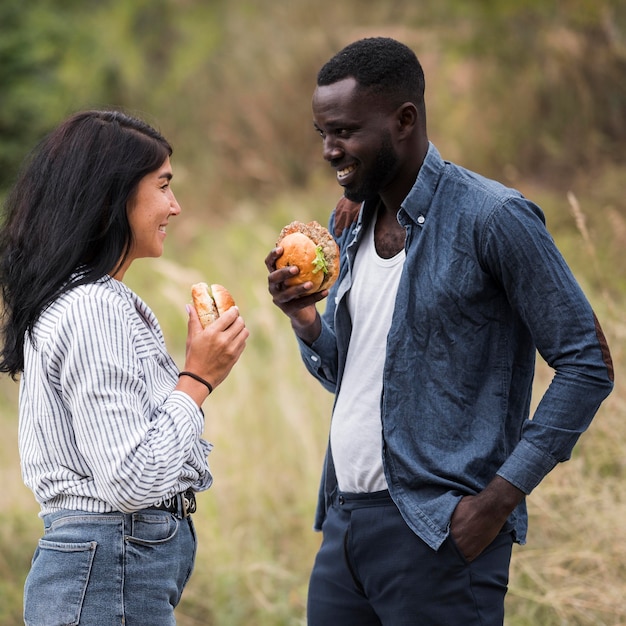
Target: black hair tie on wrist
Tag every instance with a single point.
(206, 383)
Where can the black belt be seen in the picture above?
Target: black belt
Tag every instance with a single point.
(182, 504)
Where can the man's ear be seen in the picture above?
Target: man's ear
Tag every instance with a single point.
(407, 118)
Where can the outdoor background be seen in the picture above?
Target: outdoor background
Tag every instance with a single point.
(531, 92)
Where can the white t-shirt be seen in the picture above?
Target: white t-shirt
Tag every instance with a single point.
(356, 429)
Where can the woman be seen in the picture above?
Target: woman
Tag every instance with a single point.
(110, 431)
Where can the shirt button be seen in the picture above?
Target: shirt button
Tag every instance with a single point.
(421, 219)
(314, 359)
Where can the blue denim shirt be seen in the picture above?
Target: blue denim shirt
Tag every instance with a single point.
(483, 288)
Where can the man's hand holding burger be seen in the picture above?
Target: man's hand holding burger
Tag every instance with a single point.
(303, 266)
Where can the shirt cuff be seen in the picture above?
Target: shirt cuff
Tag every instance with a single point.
(527, 466)
(190, 407)
(324, 369)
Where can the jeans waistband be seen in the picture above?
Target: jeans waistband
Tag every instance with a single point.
(182, 504)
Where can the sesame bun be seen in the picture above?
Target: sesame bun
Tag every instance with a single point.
(312, 248)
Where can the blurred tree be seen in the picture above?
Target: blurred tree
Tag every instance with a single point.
(29, 98)
(58, 56)
(550, 79)
(538, 85)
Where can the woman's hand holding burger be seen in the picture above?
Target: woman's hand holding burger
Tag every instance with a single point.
(303, 266)
(216, 338)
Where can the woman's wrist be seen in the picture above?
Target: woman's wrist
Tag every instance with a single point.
(197, 378)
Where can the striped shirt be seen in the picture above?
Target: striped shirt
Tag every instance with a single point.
(101, 428)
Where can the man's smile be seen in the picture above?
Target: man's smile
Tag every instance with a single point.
(345, 172)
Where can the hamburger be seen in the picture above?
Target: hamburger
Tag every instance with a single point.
(312, 248)
(210, 301)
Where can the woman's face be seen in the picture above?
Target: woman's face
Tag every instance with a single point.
(149, 210)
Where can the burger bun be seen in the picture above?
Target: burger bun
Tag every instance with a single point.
(300, 250)
(313, 250)
(210, 301)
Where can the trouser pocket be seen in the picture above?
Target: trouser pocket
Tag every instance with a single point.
(57, 581)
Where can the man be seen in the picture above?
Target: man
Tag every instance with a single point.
(449, 283)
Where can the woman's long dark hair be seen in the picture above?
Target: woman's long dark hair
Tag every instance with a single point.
(65, 221)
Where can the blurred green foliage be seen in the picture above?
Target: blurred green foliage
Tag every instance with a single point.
(57, 56)
(229, 81)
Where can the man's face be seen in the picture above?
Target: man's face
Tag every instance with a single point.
(356, 129)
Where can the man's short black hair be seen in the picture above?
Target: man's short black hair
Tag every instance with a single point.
(380, 65)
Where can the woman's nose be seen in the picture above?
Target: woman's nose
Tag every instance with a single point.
(174, 206)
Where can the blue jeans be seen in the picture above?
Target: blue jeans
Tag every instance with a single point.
(112, 568)
(373, 570)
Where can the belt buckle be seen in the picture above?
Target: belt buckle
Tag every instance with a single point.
(188, 503)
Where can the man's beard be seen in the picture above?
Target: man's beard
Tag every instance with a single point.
(378, 176)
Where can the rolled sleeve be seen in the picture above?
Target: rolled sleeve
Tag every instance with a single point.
(527, 466)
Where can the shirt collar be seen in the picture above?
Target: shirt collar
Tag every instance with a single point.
(415, 206)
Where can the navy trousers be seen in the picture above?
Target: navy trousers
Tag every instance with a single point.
(373, 570)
